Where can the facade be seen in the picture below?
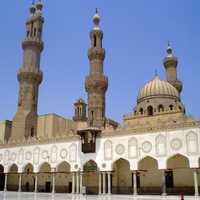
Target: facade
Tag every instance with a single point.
(154, 151)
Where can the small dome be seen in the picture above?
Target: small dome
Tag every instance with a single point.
(96, 20)
(157, 87)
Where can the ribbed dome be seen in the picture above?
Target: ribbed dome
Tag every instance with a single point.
(157, 87)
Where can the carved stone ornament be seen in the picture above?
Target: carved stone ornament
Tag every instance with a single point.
(120, 149)
(28, 155)
(176, 144)
(146, 147)
(45, 154)
(13, 156)
(63, 153)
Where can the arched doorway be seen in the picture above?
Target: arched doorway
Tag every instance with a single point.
(13, 178)
(63, 178)
(91, 177)
(45, 178)
(180, 174)
(2, 178)
(122, 182)
(150, 178)
(28, 179)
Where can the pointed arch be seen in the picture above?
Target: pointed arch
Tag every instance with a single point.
(192, 142)
(13, 178)
(45, 167)
(63, 167)
(28, 168)
(148, 163)
(177, 161)
(90, 165)
(161, 145)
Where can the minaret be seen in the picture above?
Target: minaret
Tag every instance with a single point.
(29, 76)
(170, 63)
(80, 113)
(96, 83)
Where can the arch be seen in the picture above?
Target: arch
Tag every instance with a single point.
(171, 107)
(160, 108)
(150, 111)
(122, 180)
(141, 111)
(28, 178)
(28, 168)
(108, 150)
(45, 178)
(13, 178)
(178, 165)
(178, 161)
(45, 167)
(63, 167)
(148, 163)
(91, 177)
(149, 177)
(132, 148)
(2, 178)
(63, 182)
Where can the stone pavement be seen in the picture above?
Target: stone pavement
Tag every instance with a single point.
(48, 196)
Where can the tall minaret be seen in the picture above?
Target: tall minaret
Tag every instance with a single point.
(29, 76)
(96, 83)
(170, 63)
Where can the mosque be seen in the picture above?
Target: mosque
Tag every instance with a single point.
(156, 150)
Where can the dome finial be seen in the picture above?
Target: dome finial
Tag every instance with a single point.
(96, 20)
(32, 8)
(169, 49)
(39, 5)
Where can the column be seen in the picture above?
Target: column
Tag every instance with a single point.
(99, 182)
(164, 193)
(196, 189)
(20, 182)
(77, 183)
(5, 182)
(73, 183)
(36, 183)
(81, 182)
(109, 182)
(53, 180)
(104, 182)
(135, 183)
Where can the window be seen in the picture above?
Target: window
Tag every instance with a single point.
(95, 41)
(150, 110)
(160, 108)
(35, 31)
(141, 111)
(32, 132)
(27, 34)
(171, 107)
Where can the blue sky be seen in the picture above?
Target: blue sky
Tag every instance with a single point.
(135, 38)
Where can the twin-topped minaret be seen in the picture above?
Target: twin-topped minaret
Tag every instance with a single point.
(96, 83)
(29, 76)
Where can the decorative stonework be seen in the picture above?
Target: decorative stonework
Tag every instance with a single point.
(45, 154)
(108, 150)
(28, 155)
(76, 166)
(13, 156)
(146, 147)
(36, 155)
(104, 165)
(132, 148)
(63, 153)
(192, 143)
(176, 144)
(73, 152)
(120, 149)
(161, 146)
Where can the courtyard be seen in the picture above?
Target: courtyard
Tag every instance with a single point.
(48, 196)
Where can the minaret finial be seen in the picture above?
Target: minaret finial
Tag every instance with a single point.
(169, 49)
(39, 6)
(96, 20)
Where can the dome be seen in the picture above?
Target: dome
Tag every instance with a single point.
(157, 87)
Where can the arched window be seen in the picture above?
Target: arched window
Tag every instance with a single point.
(35, 30)
(141, 111)
(150, 110)
(32, 132)
(95, 41)
(160, 108)
(171, 107)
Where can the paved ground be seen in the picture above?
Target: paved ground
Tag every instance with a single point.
(44, 196)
